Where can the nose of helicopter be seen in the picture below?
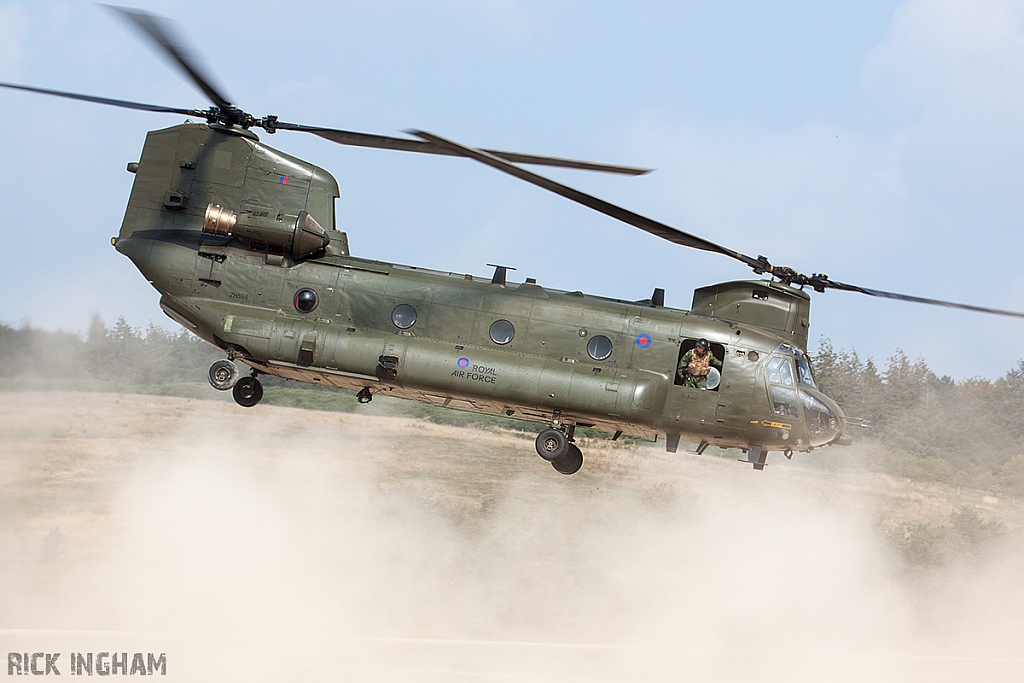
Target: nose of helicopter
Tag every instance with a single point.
(841, 438)
(825, 419)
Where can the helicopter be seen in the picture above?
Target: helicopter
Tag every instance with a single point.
(240, 240)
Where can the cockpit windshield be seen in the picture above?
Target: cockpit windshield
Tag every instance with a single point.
(780, 371)
(803, 366)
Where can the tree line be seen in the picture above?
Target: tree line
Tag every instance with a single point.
(118, 358)
(969, 431)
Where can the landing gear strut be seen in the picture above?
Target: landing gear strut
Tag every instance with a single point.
(556, 445)
(248, 391)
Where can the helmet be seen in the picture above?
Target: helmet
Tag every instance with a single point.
(703, 344)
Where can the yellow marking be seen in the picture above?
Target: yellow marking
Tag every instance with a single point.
(229, 320)
(777, 425)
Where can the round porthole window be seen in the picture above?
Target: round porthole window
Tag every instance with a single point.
(502, 332)
(404, 316)
(599, 347)
(306, 300)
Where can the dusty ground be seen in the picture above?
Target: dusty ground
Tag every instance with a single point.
(255, 542)
(64, 453)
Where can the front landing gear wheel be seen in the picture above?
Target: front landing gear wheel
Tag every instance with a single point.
(571, 462)
(552, 444)
(222, 375)
(248, 392)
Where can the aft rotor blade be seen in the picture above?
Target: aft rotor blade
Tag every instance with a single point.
(676, 236)
(106, 100)
(160, 31)
(347, 137)
(646, 224)
(920, 300)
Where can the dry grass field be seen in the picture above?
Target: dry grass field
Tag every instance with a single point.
(278, 543)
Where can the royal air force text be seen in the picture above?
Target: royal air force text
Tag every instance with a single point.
(477, 373)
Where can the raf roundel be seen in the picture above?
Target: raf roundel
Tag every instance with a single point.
(643, 340)
(463, 362)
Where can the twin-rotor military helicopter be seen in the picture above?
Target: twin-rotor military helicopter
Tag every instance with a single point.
(241, 242)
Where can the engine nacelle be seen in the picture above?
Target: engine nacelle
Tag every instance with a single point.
(276, 234)
(772, 306)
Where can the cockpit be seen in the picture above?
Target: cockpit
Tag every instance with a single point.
(793, 391)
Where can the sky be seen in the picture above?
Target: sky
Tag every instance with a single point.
(878, 142)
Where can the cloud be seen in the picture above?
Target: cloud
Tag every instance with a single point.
(811, 191)
(516, 22)
(13, 28)
(919, 181)
(953, 54)
(958, 65)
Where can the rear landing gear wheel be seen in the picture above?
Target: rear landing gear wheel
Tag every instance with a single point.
(222, 375)
(552, 444)
(571, 462)
(248, 391)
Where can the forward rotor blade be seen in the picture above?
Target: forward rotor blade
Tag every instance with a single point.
(921, 300)
(106, 100)
(654, 227)
(160, 32)
(347, 137)
(676, 236)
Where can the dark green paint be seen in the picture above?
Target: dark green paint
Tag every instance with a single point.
(241, 301)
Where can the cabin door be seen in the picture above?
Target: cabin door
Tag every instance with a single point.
(693, 408)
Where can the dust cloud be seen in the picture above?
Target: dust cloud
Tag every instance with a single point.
(277, 544)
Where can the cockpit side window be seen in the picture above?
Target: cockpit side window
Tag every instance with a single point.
(803, 372)
(780, 377)
(783, 401)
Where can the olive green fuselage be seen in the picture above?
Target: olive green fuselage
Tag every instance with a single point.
(239, 294)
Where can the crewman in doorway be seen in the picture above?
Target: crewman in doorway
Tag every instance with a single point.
(696, 363)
